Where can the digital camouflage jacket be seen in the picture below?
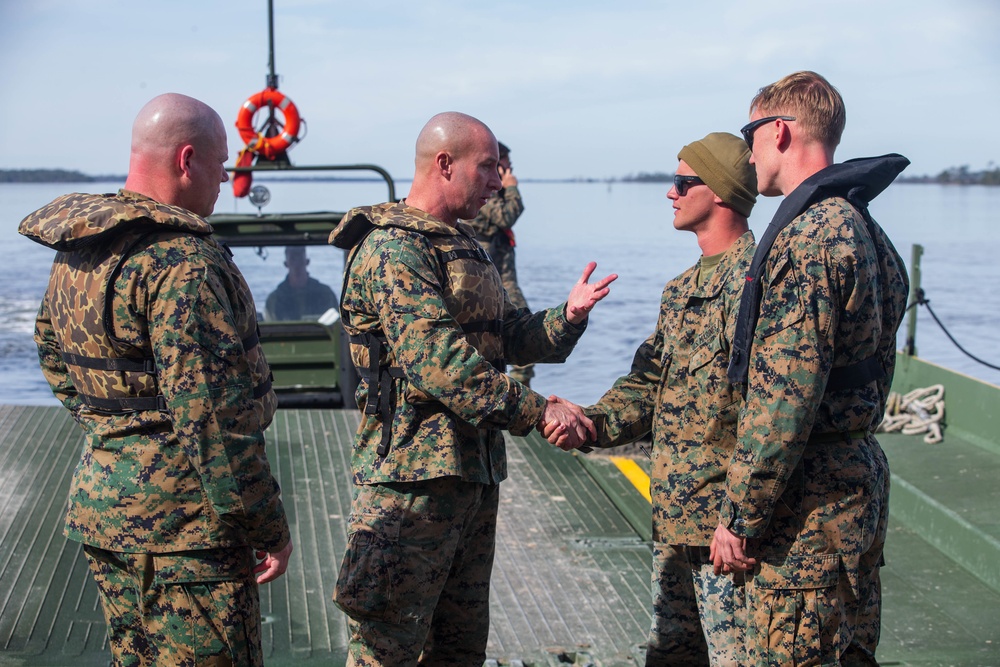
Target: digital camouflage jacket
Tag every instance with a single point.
(494, 232)
(168, 380)
(806, 471)
(677, 389)
(433, 297)
(498, 215)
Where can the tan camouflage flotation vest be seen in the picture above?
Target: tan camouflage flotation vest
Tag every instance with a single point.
(96, 235)
(468, 278)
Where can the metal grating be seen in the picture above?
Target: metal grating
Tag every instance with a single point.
(570, 584)
(570, 581)
(571, 575)
(48, 605)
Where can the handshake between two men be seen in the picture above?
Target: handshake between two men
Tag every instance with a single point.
(565, 425)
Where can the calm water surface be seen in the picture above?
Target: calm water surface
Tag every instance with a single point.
(625, 228)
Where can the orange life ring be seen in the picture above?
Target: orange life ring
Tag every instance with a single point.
(269, 147)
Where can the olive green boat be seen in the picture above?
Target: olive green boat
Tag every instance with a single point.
(571, 579)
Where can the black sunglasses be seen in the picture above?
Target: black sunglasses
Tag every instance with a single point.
(682, 183)
(751, 127)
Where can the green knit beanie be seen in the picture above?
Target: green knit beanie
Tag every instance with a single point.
(722, 160)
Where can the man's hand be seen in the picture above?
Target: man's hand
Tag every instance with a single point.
(565, 425)
(507, 177)
(273, 565)
(728, 552)
(584, 296)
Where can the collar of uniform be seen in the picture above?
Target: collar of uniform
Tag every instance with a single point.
(730, 261)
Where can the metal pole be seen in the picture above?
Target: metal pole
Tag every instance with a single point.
(272, 78)
(911, 323)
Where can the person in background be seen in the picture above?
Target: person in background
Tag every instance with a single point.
(494, 226)
(299, 295)
(431, 330)
(677, 390)
(147, 335)
(807, 492)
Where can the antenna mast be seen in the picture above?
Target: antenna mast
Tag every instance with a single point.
(272, 78)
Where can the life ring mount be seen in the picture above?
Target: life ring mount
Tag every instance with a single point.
(270, 148)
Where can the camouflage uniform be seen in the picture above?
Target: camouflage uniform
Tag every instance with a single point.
(494, 231)
(167, 379)
(416, 573)
(809, 483)
(677, 388)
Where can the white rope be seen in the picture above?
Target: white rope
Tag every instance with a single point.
(919, 411)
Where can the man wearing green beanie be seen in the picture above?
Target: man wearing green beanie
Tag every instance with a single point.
(677, 392)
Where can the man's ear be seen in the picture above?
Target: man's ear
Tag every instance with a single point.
(184, 158)
(784, 132)
(444, 163)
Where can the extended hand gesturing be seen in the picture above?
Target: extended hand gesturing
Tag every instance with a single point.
(584, 296)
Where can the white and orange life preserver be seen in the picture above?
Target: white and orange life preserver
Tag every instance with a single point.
(268, 147)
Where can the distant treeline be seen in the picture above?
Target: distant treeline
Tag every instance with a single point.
(644, 177)
(51, 176)
(957, 175)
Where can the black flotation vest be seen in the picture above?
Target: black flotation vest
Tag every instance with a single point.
(858, 181)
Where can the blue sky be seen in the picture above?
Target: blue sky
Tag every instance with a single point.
(575, 88)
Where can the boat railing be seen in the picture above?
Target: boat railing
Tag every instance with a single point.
(305, 228)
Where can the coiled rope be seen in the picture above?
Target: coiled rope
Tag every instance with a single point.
(919, 411)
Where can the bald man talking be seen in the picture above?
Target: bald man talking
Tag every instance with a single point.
(147, 335)
(432, 331)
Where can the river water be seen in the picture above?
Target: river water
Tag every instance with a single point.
(624, 227)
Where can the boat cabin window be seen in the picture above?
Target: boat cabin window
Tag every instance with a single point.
(292, 283)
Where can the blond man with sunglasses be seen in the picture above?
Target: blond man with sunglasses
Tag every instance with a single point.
(814, 351)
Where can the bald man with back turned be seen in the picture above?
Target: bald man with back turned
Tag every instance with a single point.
(431, 332)
(147, 335)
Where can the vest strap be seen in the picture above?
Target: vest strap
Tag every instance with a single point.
(476, 253)
(855, 375)
(484, 326)
(127, 404)
(125, 364)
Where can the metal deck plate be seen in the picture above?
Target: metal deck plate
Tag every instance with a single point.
(571, 579)
(569, 585)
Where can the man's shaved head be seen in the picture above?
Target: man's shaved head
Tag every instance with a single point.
(456, 167)
(450, 131)
(178, 152)
(171, 120)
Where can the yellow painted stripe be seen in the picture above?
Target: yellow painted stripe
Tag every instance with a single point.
(634, 474)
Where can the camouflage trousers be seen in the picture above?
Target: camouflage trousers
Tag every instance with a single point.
(415, 581)
(193, 608)
(502, 253)
(824, 607)
(698, 617)
(792, 623)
